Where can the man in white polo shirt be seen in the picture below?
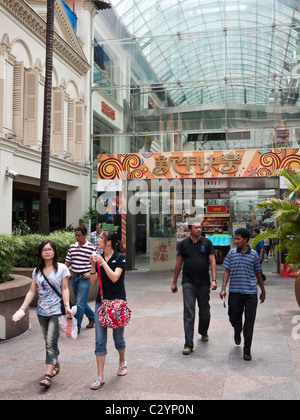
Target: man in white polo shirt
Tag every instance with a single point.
(78, 257)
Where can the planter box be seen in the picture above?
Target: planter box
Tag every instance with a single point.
(12, 294)
(28, 273)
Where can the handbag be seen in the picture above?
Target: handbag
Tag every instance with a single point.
(62, 305)
(113, 313)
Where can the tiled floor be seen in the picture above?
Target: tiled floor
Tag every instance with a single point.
(157, 370)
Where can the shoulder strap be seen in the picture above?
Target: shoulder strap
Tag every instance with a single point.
(100, 282)
(52, 287)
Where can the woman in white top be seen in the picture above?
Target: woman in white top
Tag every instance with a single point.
(49, 303)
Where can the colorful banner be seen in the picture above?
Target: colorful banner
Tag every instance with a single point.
(204, 164)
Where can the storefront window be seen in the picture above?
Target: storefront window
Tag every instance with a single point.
(245, 212)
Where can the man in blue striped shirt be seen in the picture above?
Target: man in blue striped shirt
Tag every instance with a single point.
(243, 268)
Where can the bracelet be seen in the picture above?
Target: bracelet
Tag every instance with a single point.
(67, 304)
(92, 273)
(214, 280)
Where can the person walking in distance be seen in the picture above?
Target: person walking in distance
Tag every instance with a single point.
(78, 257)
(259, 249)
(95, 235)
(243, 268)
(196, 253)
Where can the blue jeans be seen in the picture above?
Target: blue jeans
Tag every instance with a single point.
(81, 288)
(50, 330)
(101, 336)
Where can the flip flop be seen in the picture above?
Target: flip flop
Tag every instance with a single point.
(122, 369)
(97, 384)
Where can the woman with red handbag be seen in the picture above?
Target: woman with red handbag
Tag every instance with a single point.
(112, 265)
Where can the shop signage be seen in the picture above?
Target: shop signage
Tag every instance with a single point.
(197, 164)
(162, 253)
(107, 110)
(226, 163)
(216, 209)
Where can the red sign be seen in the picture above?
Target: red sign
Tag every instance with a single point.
(216, 209)
(108, 111)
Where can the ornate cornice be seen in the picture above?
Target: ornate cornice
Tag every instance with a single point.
(70, 51)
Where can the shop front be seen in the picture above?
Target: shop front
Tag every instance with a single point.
(150, 198)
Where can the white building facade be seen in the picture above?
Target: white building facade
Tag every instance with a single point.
(22, 77)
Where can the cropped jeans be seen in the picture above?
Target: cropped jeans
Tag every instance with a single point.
(81, 288)
(101, 336)
(50, 330)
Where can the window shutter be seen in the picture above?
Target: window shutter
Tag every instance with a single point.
(57, 132)
(71, 128)
(2, 69)
(18, 100)
(79, 135)
(30, 108)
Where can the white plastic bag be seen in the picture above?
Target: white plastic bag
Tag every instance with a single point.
(17, 316)
(68, 326)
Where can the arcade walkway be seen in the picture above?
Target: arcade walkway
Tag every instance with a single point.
(157, 370)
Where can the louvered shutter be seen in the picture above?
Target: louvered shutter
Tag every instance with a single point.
(2, 66)
(71, 128)
(18, 100)
(30, 108)
(79, 134)
(57, 124)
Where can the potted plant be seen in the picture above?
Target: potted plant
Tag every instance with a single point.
(12, 289)
(286, 212)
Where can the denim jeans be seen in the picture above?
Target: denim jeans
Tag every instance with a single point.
(50, 330)
(192, 292)
(101, 336)
(81, 288)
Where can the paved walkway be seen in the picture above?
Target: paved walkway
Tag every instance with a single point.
(157, 370)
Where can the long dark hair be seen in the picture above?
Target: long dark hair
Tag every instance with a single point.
(40, 265)
(111, 235)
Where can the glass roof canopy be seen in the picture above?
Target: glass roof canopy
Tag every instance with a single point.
(208, 52)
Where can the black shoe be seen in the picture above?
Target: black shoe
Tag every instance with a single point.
(237, 338)
(247, 356)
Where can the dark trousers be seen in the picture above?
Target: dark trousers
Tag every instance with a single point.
(191, 293)
(239, 304)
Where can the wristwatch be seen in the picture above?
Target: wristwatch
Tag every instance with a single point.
(214, 280)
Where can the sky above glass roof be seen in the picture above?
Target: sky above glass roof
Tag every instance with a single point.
(206, 51)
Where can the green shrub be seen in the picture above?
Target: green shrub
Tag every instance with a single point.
(8, 245)
(28, 248)
(62, 240)
(21, 251)
(26, 252)
(21, 228)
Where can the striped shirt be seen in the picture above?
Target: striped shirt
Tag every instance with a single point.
(79, 257)
(242, 266)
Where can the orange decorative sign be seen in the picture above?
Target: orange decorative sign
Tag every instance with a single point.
(216, 209)
(197, 164)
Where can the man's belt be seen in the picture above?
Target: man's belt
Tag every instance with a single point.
(80, 274)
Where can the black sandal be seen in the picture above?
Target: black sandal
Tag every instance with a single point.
(56, 369)
(46, 382)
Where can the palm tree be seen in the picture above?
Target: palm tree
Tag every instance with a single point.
(44, 183)
(286, 212)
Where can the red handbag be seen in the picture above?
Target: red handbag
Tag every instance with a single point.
(113, 313)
